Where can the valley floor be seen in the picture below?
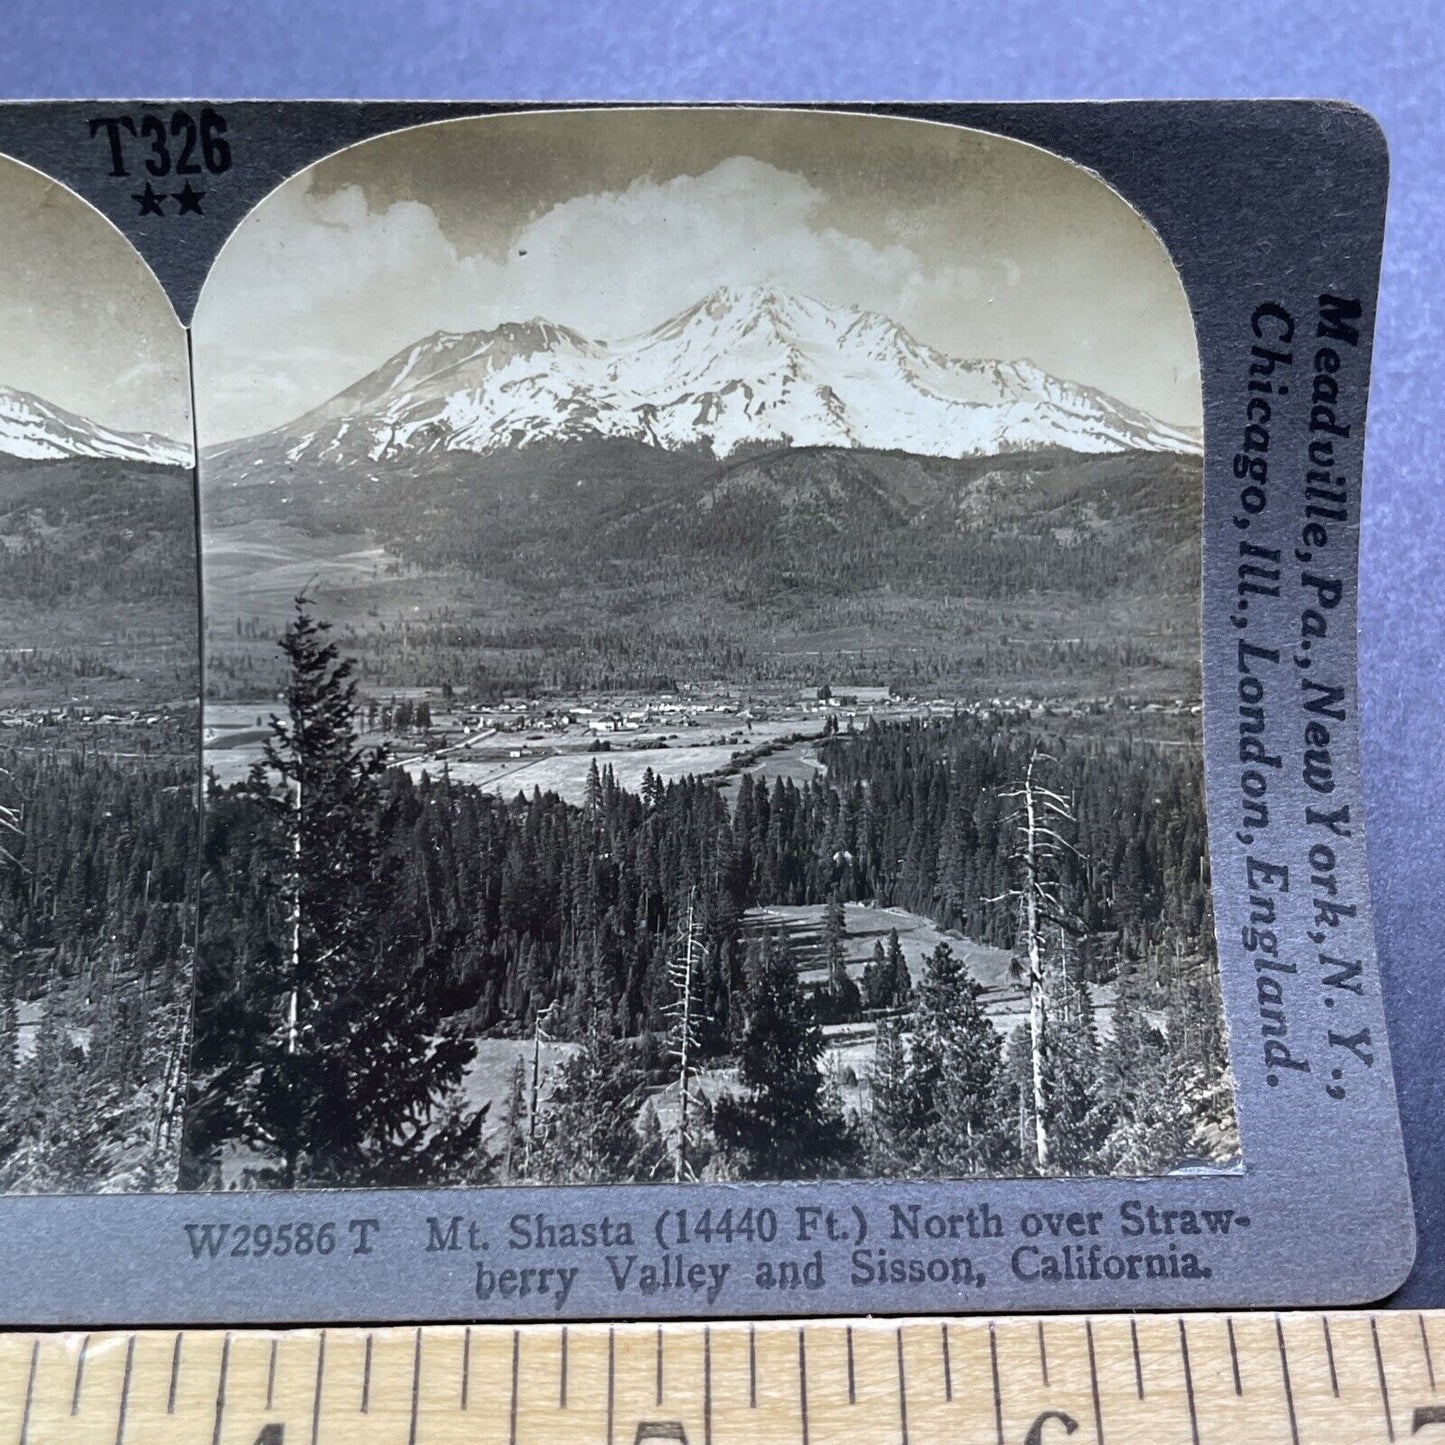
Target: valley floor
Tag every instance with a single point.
(719, 732)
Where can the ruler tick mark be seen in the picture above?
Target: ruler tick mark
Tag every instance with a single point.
(415, 1387)
(803, 1384)
(271, 1374)
(1384, 1387)
(1425, 1346)
(175, 1374)
(1138, 1363)
(1189, 1384)
(125, 1391)
(658, 1399)
(947, 1369)
(316, 1395)
(1330, 1356)
(902, 1394)
(852, 1387)
(752, 1367)
(1284, 1375)
(611, 1379)
(221, 1389)
(562, 1373)
(706, 1385)
(997, 1395)
(1094, 1382)
(365, 1378)
(1043, 1356)
(1234, 1357)
(79, 1375)
(516, 1370)
(29, 1392)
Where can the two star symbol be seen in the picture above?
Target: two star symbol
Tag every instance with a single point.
(153, 202)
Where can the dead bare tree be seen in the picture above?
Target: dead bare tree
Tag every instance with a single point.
(1040, 816)
(682, 1034)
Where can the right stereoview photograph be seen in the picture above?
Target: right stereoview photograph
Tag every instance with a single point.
(702, 666)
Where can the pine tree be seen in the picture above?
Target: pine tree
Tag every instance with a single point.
(1142, 1086)
(9, 1003)
(62, 1125)
(887, 982)
(877, 979)
(787, 1126)
(835, 930)
(955, 1070)
(841, 999)
(653, 1159)
(1078, 1120)
(894, 1116)
(901, 980)
(358, 1079)
(589, 1126)
(1195, 1027)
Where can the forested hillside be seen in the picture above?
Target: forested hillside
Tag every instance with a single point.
(97, 891)
(612, 564)
(97, 583)
(507, 913)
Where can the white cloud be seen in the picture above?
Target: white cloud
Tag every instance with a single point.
(314, 291)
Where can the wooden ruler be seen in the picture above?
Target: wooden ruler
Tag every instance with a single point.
(1243, 1379)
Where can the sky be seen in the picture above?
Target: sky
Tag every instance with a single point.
(612, 222)
(83, 322)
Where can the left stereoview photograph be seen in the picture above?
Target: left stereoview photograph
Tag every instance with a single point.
(99, 721)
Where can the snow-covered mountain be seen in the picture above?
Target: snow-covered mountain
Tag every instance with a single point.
(36, 430)
(741, 368)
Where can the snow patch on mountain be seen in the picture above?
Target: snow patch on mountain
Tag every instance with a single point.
(744, 367)
(38, 430)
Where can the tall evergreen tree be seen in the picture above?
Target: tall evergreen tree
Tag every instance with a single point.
(357, 1080)
(887, 982)
(877, 985)
(1143, 1087)
(788, 1125)
(1079, 1117)
(841, 998)
(955, 1069)
(589, 1130)
(894, 1117)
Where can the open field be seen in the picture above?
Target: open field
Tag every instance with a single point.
(566, 773)
(268, 562)
(488, 1079)
(1005, 999)
(552, 748)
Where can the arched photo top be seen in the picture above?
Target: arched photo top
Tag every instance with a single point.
(93, 361)
(1017, 278)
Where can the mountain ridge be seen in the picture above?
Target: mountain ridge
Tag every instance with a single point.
(34, 429)
(741, 368)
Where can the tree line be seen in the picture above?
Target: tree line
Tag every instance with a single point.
(97, 905)
(360, 930)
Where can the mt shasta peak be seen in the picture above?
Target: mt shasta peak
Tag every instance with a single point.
(742, 368)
